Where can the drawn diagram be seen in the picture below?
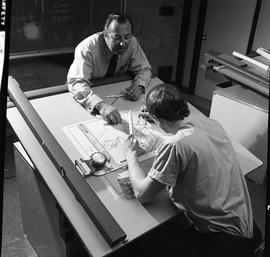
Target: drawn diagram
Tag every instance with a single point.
(96, 135)
(111, 138)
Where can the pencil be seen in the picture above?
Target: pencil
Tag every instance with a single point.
(115, 96)
(130, 123)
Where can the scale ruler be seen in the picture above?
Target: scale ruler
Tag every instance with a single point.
(94, 141)
(110, 165)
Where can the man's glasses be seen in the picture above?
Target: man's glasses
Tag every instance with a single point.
(118, 38)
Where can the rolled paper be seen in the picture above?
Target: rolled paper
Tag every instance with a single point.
(250, 60)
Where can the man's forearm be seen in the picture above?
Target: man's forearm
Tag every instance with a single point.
(136, 174)
(143, 77)
(82, 93)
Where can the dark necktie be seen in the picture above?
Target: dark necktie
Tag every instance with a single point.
(112, 66)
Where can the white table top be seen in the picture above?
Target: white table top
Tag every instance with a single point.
(61, 110)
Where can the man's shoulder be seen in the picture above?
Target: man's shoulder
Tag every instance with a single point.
(134, 40)
(91, 41)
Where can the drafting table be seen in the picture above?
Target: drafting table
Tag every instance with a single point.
(135, 219)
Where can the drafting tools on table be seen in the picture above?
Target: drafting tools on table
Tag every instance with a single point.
(101, 158)
(89, 167)
(83, 168)
(130, 123)
(115, 96)
(250, 60)
(101, 161)
(98, 160)
(95, 139)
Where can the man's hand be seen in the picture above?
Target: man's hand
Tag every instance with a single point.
(108, 113)
(146, 115)
(134, 92)
(131, 146)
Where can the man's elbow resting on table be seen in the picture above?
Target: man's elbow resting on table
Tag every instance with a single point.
(83, 94)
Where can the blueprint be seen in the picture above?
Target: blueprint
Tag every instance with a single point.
(96, 135)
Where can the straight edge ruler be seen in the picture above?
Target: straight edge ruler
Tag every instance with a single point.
(113, 166)
(87, 133)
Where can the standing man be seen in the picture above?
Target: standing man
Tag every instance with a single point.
(111, 52)
(199, 168)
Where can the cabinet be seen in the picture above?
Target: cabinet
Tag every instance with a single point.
(244, 115)
(44, 223)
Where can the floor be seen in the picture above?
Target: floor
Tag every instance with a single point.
(51, 71)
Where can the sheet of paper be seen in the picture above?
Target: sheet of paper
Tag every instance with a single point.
(96, 135)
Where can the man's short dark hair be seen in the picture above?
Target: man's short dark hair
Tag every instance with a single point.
(119, 18)
(166, 101)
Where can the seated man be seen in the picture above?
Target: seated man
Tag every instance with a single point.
(113, 51)
(199, 168)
